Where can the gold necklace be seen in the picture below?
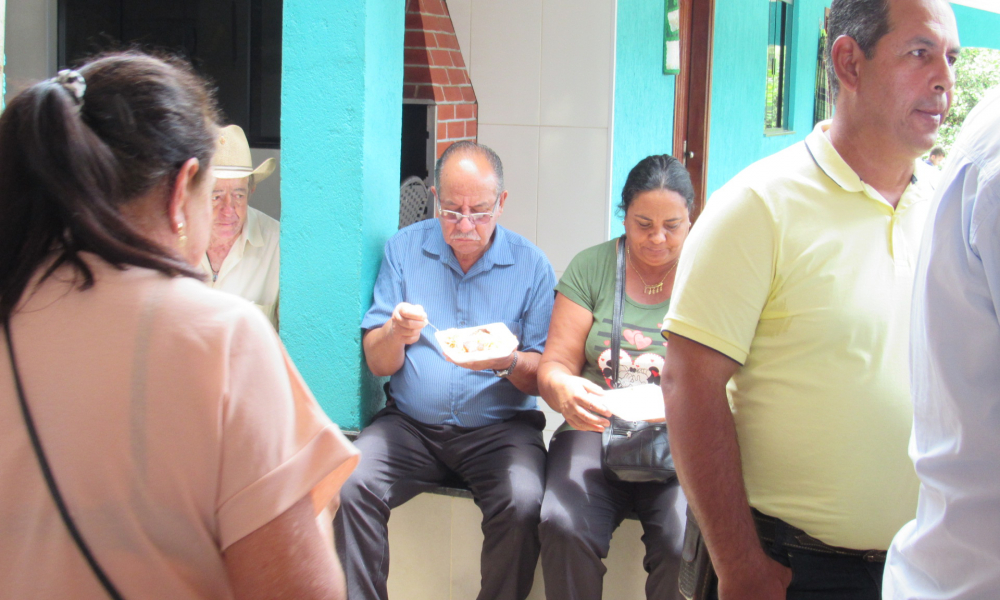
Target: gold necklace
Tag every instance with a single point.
(648, 289)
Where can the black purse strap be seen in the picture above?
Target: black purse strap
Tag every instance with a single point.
(616, 318)
(50, 479)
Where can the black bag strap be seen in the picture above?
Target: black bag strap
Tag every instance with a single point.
(50, 479)
(616, 318)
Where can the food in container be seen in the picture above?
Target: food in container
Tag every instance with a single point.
(471, 344)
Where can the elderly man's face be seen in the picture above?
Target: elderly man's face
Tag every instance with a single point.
(229, 207)
(906, 88)
(468, 186)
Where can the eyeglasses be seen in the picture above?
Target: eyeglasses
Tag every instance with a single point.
(451, 216)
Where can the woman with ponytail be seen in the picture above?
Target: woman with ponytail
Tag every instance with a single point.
(155, 439)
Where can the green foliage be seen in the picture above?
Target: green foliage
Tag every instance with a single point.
(772, 87)
(977, 70)
(779, 35)
(823, 98)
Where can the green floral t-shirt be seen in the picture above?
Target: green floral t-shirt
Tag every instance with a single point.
(590, 282)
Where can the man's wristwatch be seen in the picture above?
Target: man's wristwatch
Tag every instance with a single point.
(506, 372)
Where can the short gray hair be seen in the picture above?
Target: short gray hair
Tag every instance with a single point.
(466, 148)
(865, 21)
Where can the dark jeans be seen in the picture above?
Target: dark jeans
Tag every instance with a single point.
(581, 510)
(504, 466)
(821, 573)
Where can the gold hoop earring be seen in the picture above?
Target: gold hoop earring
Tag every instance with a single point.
(182, 238)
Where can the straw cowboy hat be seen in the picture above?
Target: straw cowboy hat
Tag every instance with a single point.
(232, 157)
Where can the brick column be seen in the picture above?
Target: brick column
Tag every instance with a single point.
(435, 71)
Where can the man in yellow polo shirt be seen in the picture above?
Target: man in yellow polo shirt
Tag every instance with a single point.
(786, 376)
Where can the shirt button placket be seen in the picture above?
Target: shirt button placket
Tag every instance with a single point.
(456, 377)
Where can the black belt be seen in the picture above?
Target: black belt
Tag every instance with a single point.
(767, 530)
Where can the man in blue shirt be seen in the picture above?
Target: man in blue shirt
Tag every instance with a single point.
(952, 548)
(477, 421)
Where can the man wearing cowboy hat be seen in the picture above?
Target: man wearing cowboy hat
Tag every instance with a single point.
(243, 254)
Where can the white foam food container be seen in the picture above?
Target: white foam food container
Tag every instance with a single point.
(637, 403)
(471, 344)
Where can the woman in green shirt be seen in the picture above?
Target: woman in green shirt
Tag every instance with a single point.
(581, 507)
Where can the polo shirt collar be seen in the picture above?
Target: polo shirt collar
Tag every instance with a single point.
(829, 160)
(836, 168)
(499, 252)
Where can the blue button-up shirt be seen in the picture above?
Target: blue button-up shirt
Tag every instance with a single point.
(951, 549)
(511, 283)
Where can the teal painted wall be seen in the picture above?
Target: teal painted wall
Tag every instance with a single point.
(644, 96)
(341, 126)
(737, 122)
(740, 63)
(977, 28)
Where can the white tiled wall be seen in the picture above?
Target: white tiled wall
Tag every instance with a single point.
(542, 70)
(572, 197)
(517, 146)
(505, 59)
(577, 54)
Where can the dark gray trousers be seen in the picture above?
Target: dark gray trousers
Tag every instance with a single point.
(503, 465)
(581, 510)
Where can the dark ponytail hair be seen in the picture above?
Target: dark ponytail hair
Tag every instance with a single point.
(67, 167)
(658, 172)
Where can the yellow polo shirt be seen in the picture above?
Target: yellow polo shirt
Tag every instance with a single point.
(802, 273)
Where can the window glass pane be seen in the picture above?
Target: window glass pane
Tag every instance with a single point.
(823, 102)
(778, 56)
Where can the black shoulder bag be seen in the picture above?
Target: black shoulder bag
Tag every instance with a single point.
(697, 579)
(632, 451)
(50, 479)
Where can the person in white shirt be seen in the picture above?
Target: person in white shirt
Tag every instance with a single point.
(952, 549)
(243, 254)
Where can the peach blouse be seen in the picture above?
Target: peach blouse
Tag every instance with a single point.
(175, 425)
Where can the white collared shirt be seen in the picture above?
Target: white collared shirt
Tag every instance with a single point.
(250, 270)
(952, 549)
